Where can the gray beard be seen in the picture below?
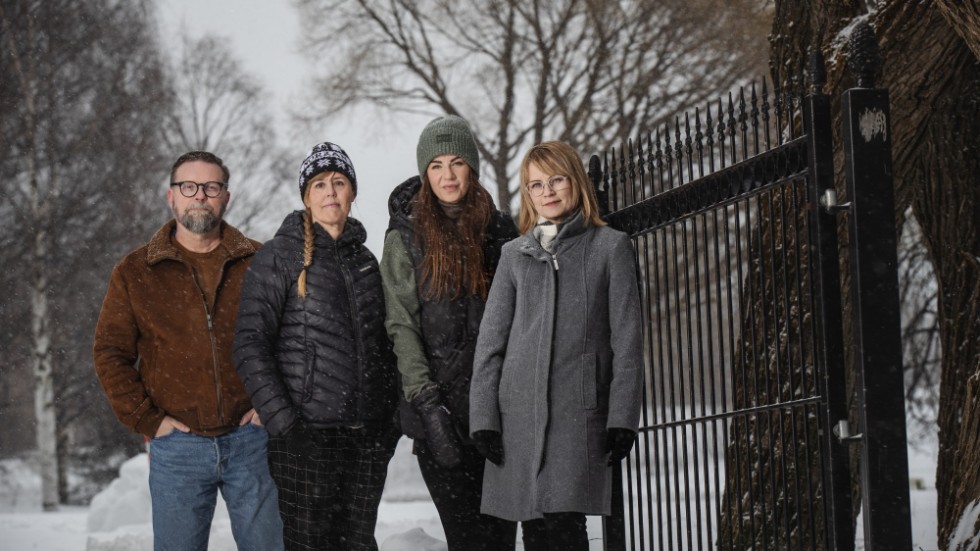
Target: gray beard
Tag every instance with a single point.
(199, 221)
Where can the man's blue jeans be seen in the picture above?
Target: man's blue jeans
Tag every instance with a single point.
(186, 472)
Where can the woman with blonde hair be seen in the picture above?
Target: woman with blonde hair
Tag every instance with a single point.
(558, 373)
(312, 351)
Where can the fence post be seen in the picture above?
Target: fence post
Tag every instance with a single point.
(829, 349)
(874, 274)
(595, 174)
(614, 525)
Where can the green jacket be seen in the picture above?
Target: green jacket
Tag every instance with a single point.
(404, 311)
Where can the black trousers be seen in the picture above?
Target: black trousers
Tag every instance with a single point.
(329, 497)
(456, 493)
(556, 532)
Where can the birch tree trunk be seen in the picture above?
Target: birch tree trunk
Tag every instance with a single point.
(41, 364)
(80, 106)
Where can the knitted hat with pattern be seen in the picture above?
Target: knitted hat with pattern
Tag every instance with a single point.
(326, 157)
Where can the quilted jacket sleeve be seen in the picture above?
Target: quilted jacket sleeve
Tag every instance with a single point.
(263, 299)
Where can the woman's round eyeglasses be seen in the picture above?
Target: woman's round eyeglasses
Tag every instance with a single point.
(556, 183)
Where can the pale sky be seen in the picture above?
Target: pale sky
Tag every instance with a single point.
(264, 35)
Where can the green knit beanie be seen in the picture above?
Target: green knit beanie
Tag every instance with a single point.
(448, 135)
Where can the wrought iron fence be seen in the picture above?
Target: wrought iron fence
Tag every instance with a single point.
(733, 216)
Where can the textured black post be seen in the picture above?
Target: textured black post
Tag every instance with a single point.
(829, 349)
(873, 259)
(614, 526)
(595, 174)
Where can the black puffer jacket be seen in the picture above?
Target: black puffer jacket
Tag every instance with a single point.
(325, 358)
(449, 327)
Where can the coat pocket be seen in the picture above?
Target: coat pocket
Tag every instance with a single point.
(589, 396)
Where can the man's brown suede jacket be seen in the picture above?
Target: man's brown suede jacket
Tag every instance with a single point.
(161, 350)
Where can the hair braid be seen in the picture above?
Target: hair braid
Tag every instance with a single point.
(307, 251)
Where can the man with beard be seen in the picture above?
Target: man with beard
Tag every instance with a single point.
(163, 356)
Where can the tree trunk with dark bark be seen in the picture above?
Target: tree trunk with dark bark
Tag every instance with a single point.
(773, 494)
(930, 52)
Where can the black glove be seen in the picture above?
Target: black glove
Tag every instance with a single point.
(619, 442)
(438, 425)
(490, 445)
(301, 439)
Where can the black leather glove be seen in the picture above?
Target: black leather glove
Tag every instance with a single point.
(301, 439)
(619, 442)
(490, 445)
(440, 434)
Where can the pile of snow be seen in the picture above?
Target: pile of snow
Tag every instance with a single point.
(965, 536)
(20, 487)
(126, 500)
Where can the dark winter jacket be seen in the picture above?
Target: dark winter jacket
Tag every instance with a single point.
(434, 339)
(162, 349)
(325, 358)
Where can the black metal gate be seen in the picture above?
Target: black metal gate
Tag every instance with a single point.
(744, 440)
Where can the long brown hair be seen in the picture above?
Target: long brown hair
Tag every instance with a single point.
(557, 158)
(452, 266)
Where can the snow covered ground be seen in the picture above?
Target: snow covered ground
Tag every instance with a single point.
(119, 518)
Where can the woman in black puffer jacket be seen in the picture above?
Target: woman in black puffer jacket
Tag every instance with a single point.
(312, 351)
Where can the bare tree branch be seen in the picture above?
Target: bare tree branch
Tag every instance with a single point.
(590, 73)
(221, 109)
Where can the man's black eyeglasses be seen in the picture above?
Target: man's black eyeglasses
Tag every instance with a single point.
(189, 188)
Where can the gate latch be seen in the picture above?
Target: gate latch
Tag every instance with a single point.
(842, 430)
(829, 202)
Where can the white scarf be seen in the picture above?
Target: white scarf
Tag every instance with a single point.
(545, 232)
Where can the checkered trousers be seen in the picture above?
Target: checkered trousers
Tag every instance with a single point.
(329, 491)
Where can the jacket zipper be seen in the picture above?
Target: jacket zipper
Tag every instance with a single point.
(551, 348)
(355, 323)
(214, 345)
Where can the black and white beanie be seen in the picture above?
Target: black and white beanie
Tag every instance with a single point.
(326, 157)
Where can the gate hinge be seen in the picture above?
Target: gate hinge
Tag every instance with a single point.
(842, 430)
(829, 202)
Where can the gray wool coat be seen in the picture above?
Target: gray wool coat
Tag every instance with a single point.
(558, 361)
